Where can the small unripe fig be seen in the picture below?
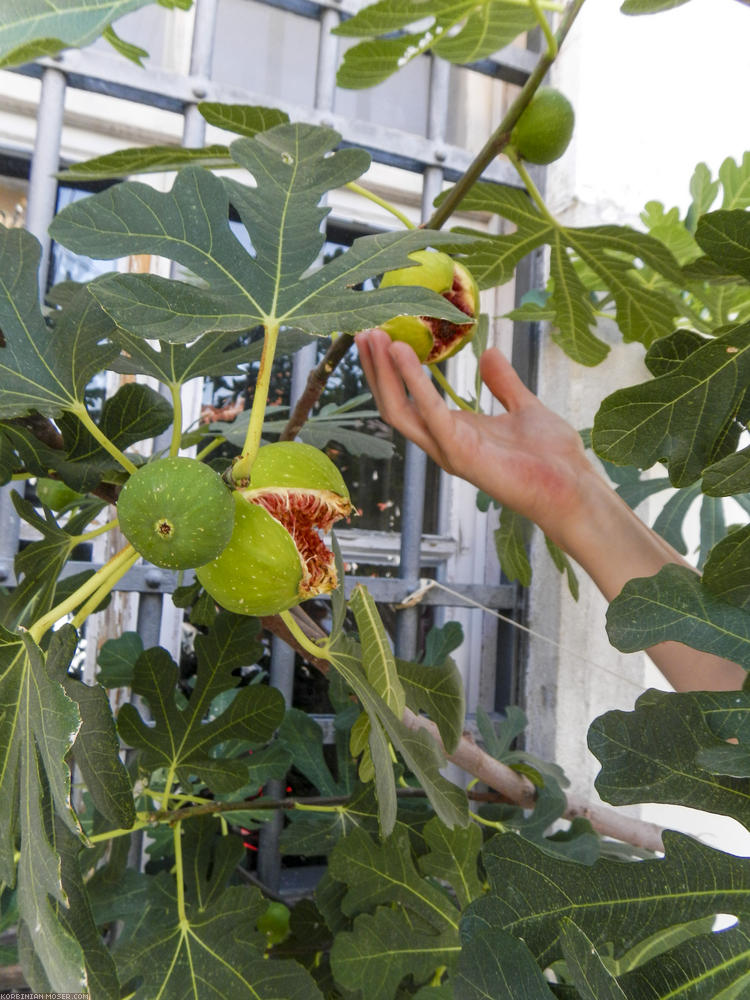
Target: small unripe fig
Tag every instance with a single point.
(545, 128)
(55, 494)
(274, 922)
(276, 557)
(434, 339)
(177, 512)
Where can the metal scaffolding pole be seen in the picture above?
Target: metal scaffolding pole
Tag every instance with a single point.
(45, 164)
(412, 508)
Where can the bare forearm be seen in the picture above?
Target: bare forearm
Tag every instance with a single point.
(613, 545)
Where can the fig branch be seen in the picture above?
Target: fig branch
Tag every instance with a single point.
(316, 383)
(469, 756)
(501, 136)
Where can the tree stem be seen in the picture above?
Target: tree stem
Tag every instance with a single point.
(242, 467)
(500, 137)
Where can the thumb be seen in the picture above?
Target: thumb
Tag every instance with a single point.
(501, 378)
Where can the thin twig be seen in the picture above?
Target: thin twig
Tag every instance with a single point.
(316, 383)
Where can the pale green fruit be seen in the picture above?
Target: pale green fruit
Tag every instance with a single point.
(276, 558)
(544, 130)
(176, 512)
(433, 339)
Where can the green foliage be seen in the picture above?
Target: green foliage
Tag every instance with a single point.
(421, 897)
(32, 29)
(461, 31)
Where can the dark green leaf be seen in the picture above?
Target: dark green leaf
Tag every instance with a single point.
(712, 965)
(496, 964)
(666, 353)
(650, 755)
(725, 236)
(588, 972)
(727, 570)
(384, 948)
(133, 52)
(96, 749)
(43, 369)
(452, 857)
(674, 604)
(670, 520)
(712, 528)
(283, 217)
(622, 902)
(183, 738)
(37, 566)
(381, 873)
(511, 540)
(677, 418)
(117, 659)
(730, 475)
(439, 692)
(213, 952)
(304, 737)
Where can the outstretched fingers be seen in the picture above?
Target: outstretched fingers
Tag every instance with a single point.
(387, 385)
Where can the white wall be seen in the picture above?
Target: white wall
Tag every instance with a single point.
(654, 95)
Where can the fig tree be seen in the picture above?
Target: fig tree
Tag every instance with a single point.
(545, 128)
(435, 339)
(177, 512)
(276, 557)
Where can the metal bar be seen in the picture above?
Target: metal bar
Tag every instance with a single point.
(99, 73)
(413, 498)
(9, 532)
(269, 858)
(45, 163)
(201, 64)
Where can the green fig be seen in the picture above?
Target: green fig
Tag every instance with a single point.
(276, 557)
(434, 339)
(177, 512)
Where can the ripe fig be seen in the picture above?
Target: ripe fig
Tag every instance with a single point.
(435, 339)
(276, 558)
(545, 128)
(176, 512)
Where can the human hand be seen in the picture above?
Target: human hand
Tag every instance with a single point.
(527, 458)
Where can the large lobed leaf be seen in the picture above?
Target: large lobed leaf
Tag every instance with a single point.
(680, 417)
(293, 167)
(39, 724)
(532, 893)
(674, 604)
(181, 739)
(657, 753)
(610, 252)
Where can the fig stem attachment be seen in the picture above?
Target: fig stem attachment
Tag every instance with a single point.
(445, 385)
(82, 593)
(316, 651)
(80, 411)
(544, 24)
(178, 873)
(377, 200)
(243, 465)
(87, 536)
(176, 394)
(530, 186)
